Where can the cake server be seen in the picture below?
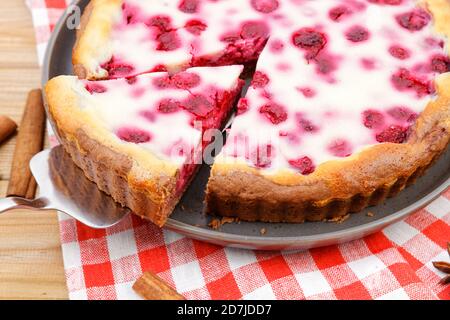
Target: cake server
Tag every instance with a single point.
(79, 199)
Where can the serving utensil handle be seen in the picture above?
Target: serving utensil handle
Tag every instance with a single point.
(11, 203)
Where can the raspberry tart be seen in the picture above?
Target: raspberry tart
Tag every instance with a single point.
(140, 139)
(347, 107)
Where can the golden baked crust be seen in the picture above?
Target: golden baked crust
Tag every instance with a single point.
(132, 176)
(93, 44)
(71, 181)
(342, 186)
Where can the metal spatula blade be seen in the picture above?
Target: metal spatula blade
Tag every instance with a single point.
(81, 200)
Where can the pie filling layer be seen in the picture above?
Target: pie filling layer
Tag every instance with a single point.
(166, 115)
(170, 35)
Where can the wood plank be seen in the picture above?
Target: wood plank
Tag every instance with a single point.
(31, 265)
(30, 255)
(17, 41)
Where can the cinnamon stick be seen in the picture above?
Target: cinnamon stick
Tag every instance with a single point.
(150, 287)
(30, 140)
(7, 128)
(31, 190)
(442, 266)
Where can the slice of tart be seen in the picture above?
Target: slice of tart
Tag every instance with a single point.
(140, 139)
(127, 37)
(348, 105)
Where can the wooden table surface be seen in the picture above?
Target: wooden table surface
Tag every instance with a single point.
(31, 265)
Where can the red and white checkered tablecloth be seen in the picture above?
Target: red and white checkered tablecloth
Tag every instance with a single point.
(393, 264)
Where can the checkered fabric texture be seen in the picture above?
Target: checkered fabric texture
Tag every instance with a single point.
(393, 264)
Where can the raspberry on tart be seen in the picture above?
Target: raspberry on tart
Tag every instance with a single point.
(142, 149)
